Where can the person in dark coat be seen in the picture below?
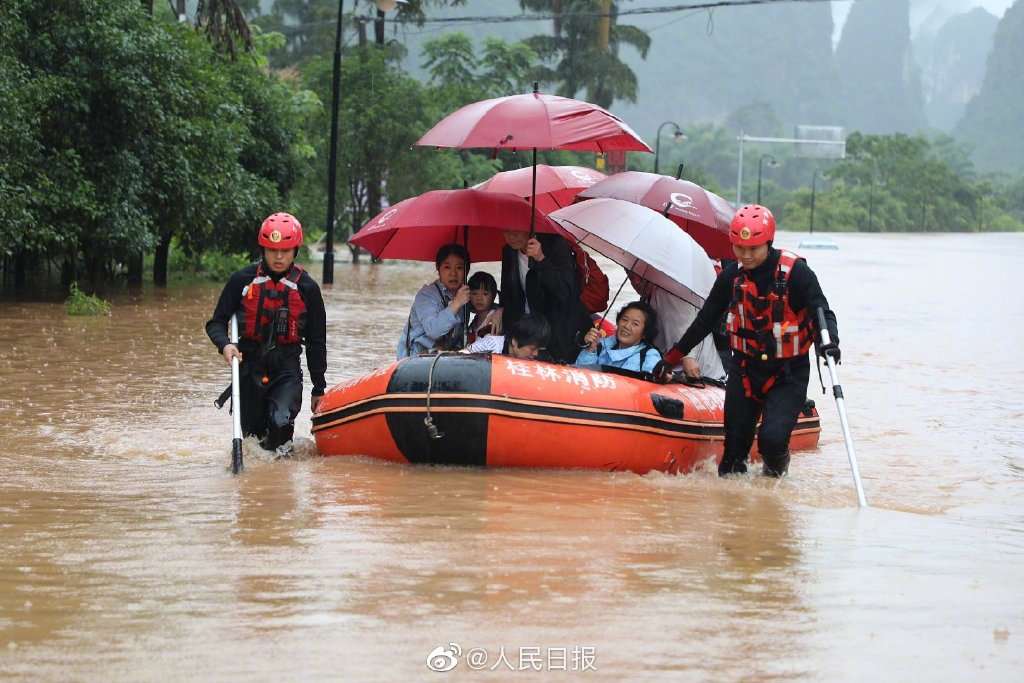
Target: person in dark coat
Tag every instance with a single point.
(538, 275)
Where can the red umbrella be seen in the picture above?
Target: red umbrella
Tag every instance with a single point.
(702, 214)
(417, 227)
(534, 121)
(557, 186)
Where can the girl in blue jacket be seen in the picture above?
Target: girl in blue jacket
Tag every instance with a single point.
(632, 346)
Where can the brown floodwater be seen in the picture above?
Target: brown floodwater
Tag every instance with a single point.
(128, 552)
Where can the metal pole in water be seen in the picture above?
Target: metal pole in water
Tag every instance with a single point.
(236, 405)
(837, 391)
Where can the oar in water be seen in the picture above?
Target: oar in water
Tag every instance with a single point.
(236, 405)
(837, 391)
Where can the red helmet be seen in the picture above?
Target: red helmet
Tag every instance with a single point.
(752, 226)
(281, 231)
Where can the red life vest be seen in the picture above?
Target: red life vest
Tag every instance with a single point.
(766, 327)
(262, 298)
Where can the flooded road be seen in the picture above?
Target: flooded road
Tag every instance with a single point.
(129, 553)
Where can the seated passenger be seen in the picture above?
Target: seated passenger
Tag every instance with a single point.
(632, 346)
(483, 290)
(438, 312)
(526, 338)
(674, 316)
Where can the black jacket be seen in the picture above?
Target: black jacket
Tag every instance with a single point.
(551, 290)
(804, 292)
(314, 336)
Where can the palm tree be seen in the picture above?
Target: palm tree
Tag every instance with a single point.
(223, 21)
(584, 49)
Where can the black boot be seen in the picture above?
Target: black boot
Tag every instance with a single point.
(775, 466)
(727, 467)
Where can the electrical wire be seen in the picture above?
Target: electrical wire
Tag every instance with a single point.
(709, 5)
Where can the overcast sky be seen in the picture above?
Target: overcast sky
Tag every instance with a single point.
(920, 9)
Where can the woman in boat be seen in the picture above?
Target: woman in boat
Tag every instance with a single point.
(483, 290)
(632, 346)
(674, 317)
(437, 317)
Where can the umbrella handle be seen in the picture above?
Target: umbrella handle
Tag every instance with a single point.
(533, 192)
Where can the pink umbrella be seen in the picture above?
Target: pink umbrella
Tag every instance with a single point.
(702, 214)
(415, 228)
(534, 121)
(557, 186)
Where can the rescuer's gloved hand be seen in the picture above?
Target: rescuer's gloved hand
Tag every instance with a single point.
(663, 370)
(832, 351)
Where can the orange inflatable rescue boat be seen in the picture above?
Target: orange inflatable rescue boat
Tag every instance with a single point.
(497, 411)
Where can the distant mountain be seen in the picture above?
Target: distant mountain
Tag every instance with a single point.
(881, 84)
(994, 120)
(952, 61)
(703, 67)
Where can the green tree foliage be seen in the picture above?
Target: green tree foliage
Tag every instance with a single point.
(898, 183)
(992, 121)
(580, 62)
(128, 131)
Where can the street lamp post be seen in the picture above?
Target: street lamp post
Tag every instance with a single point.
(760, 165)
(332, 164)
(814, 189)
(678, 135)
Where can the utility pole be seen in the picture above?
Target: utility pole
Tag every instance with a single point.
(332, 164)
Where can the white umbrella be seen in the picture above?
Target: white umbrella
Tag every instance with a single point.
(642, 241)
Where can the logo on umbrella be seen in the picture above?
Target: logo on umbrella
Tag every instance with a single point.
(682, 201)
(386, 216)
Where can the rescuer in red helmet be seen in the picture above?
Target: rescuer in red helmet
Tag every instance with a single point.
(770, 298)
(279, 309)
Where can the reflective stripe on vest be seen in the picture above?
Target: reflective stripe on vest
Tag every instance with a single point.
(263, 297)
(766, 326)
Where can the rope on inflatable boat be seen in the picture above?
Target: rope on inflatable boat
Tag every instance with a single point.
(428, 420)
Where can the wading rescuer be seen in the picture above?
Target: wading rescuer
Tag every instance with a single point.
(279, 308)
(769, 297)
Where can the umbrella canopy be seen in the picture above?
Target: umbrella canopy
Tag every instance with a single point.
(702, 214)
(557, 186)
(534, 121)
(644, 241)
(417, 227)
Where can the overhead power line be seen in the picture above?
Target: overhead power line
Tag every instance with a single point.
(505, 19)
(713, 4)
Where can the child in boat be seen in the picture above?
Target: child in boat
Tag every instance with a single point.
(527, 337)
(632, 346)
(438, 311)
(483, 290)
